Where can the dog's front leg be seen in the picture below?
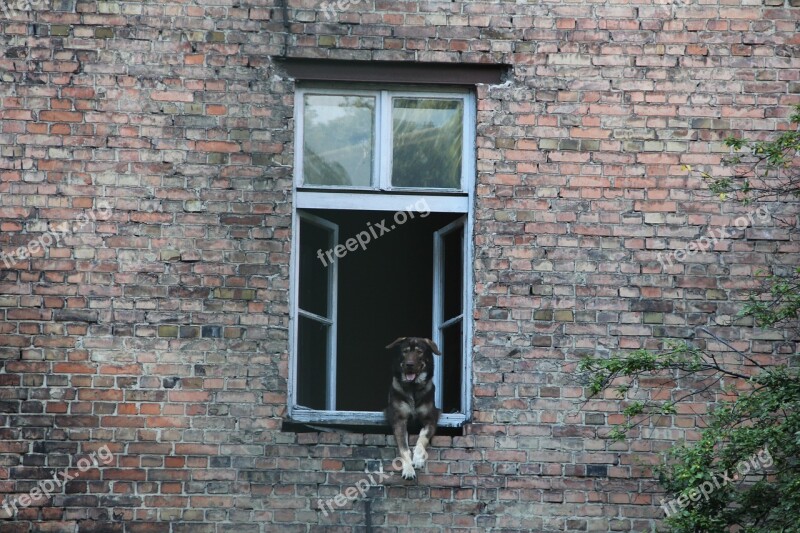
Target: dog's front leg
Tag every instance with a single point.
(420, 454)
(401, 436)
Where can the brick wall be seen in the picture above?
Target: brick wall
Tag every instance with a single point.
(153, 140)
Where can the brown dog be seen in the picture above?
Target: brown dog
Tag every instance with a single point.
(412, 396)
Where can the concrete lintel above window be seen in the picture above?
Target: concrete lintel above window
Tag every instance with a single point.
(393, 72)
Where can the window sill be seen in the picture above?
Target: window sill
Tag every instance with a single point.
(344, 189)
(293, 426)
(360, 418)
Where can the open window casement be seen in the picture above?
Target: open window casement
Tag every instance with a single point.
(397, 166)
(316, 316)
(448, 314)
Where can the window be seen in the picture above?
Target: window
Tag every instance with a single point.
(383, 202)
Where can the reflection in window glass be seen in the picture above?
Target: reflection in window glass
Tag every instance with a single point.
(451, 361)
(312, 350)
(314, 291)
(453, 275)
(338, 140)
(426, 142)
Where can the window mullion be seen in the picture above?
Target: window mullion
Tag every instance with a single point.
(377, 164)
(333, 308)
(468, 145)
(299, 120)
(384, 148)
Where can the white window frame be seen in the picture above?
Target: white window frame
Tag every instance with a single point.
(299, 122)
(382, 197)
(381, 166)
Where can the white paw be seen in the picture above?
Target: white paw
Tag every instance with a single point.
(408, 471)
(420, 456)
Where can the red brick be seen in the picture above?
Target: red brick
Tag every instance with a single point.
(167, 422)
(172, 96)
(74, 368)
(61, 116)
(218, 146)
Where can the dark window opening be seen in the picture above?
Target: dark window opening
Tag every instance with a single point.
(383, 291)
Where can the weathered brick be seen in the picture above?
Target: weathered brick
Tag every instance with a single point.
(172, 96)
(169, 255)
(564, 316)
(162, 331)
(218, 146)
(61, 116)
(711, 124)
(234, 294)
(168, 331)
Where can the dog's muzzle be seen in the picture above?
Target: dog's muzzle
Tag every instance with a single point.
(410, 372)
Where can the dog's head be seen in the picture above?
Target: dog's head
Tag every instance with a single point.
(415, 361)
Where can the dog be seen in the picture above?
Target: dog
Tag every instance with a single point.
(411, 396)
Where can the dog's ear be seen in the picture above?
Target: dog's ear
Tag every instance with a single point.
(397, 341)
(434, 348)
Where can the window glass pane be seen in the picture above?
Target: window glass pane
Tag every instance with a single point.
(313, 284)
(453, 273)
(451, 361)
(426, 142)
(338, 139)
(312, 348)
